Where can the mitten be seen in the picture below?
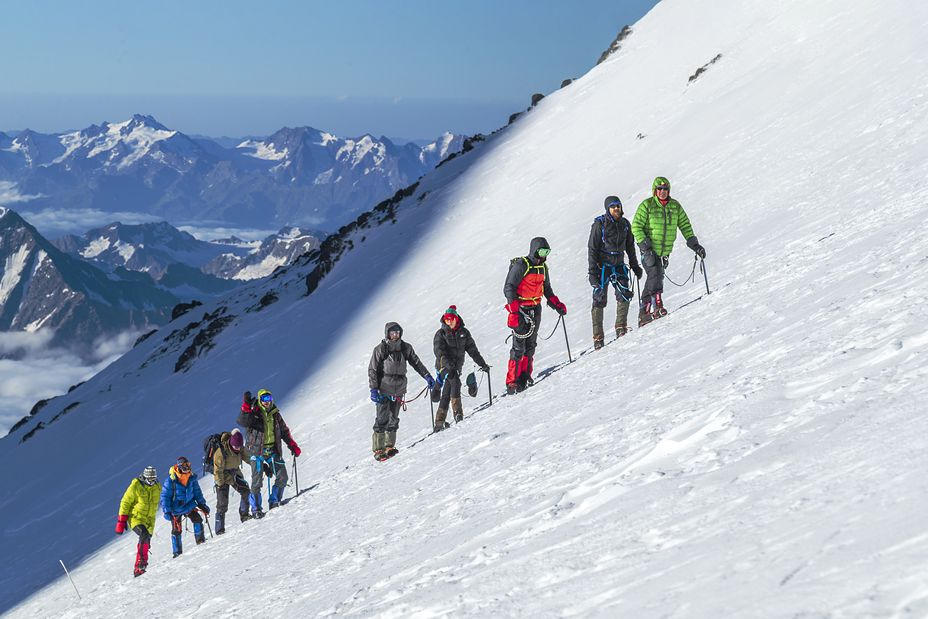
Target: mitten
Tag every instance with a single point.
(296, 450)
(121, 523)
(513, 321)
(167, 516)
(693, 244)
(375, 395)
(205, 509)
(594, 280)
(637, 270)
(430, 381)
(557, 306)
(513, 308)
(246, 402)
(485, 368)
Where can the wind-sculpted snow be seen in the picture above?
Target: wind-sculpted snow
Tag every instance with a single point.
(756, 453)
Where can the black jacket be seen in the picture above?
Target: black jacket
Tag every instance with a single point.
(449, 348)
(387, 369)
(532, 268)
(609, 240)
(253, 423)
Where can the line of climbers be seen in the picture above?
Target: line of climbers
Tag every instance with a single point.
(653, 228)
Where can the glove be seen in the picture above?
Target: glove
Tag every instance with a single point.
(205, 509)
(167, 516)
(375, 395)
(665, 260)
(121, 524)
(430, 381)
(296, 450)
(513, 321)
(648, 258)
(557, 306)
(485, 368)
(693, 244)
(594, 280)
(246, 402)
(513, 308)
(637, 270)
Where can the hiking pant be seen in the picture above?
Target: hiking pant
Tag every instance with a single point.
(388, 415)
(272, 466)
(222, 496)
(177, 528)
(618, 276)
(654, 284)
(141, 555)
(523, 348)
(450, 388)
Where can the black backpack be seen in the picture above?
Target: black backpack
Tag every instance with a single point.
(210, 445)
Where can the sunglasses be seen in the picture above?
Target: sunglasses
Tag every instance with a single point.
(615, 205)
(266, 398)
(544, 252)
(662, 188)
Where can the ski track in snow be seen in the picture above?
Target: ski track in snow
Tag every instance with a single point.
(756, 453)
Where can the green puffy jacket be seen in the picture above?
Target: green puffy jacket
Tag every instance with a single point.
(140, 503)
(659, 222)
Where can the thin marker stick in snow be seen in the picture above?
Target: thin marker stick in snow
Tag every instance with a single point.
(71, 579)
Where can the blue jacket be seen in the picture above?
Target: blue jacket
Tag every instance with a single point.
(176, 498)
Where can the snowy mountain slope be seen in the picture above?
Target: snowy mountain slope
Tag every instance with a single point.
(756, 453)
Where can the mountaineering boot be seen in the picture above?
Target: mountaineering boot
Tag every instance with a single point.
(243, 509)
(220, 524)
(644, 314)
(177, 545)
(274, 500)
(255, 502)
(598, 334)
(440, 424)
(379, 441)
(511, 373)
(621, 318)
(390, 444)
(458, 409)
(198, 533)
(141, 559)
(244, 515)
(658, 310)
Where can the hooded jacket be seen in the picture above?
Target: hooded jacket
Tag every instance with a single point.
(178, 498)
(226, 462)
(254, 423)
(528, 279)
(610, 240)
(658, 222)
(140, 503)
(449, 346)
(387, 369)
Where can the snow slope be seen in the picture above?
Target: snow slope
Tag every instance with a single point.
(757, 453)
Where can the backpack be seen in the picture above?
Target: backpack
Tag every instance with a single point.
(210, 444)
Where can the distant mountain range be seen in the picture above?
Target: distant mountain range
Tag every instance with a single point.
(300, 176)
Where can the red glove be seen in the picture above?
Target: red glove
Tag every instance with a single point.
(246, 402)
(513, 308)
(121, 523)
(558, 307)
(296, 450)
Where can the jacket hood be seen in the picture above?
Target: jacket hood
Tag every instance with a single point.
(660, 180)
(262, 392)
(176, 476)
(392, 325)
(538, 242)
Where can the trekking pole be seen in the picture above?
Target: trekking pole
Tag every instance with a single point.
(564, 324)
(296, 478)
(432, 406)
(71, 579)
(702, 266)
(206, 516)
(489, 388)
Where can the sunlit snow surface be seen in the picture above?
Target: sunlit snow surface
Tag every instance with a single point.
(757, 453)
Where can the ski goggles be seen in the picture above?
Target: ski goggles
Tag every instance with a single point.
(543, 252)
(266, 398)
(184, 467)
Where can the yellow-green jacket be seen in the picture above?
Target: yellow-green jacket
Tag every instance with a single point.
(140, 503)
(659, 222)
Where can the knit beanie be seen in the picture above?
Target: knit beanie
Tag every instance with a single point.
(451, 312)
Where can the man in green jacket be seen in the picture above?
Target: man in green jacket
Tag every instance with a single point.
(137, 512)
(655, 228)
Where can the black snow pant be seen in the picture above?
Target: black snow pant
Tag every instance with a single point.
(388, 415)
(450, 388)
(654, 284)
(222, 496)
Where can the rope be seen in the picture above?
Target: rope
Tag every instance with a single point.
(531, 328)
(560, 317)
(692, 275)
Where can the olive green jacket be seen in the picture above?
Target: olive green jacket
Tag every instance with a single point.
(226, 462)
(140, 503)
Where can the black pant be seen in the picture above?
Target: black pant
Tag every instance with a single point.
(451, 388)
(388, 415)
(142, 531)
(222, 495)
(654, 284)
(619, 278)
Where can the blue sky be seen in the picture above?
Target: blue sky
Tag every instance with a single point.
(401, 69)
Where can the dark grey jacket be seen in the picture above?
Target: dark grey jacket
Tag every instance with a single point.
(610, 240)
(387, 369)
